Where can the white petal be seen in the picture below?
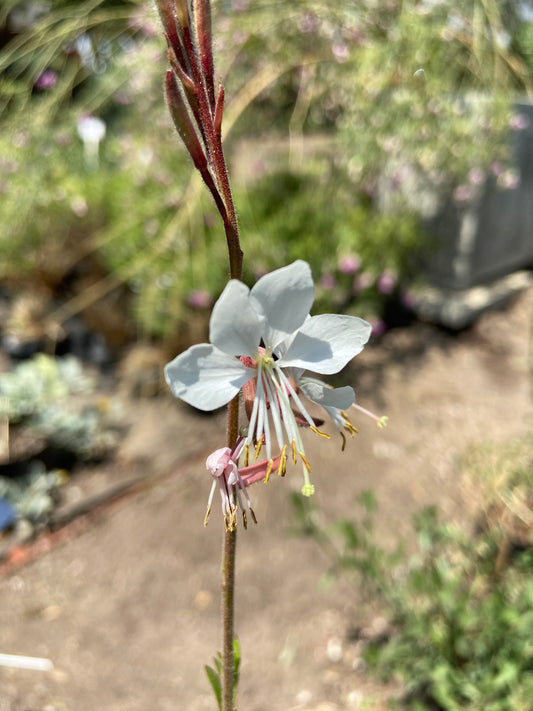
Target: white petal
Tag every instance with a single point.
(205, 377)
(235, 327)
(325, 343)
(284, 298)
(340, 398)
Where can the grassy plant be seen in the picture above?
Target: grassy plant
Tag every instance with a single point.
(461, 622)
(296, 68)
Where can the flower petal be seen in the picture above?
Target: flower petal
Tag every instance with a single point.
(235, 327)
(340, 398)
(205, 377)
(325, 343)
(284, 298)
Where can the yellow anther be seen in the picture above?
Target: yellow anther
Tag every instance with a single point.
(207, 514)
(269, 469)
(343, 441)
(282, 461)
(246, 449)
(318, 432)
(348, 425)
(294, 457)
(258, 449)
(305, 461)
(382, 422)
(245, 522)
(253, 515)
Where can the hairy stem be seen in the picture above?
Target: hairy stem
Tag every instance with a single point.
(228, 603)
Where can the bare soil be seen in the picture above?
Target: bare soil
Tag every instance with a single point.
(125, 601)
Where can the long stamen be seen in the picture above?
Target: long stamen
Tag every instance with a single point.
(210, 501)
(262, 414)
(289, 422)
(287, 383)
(305, 461)
(348, 425)
(381, 421)
(275, 411)
(294, 457)
(318, 432)
(246, 496)
(255, 407)
(266, 426)
(269, 469)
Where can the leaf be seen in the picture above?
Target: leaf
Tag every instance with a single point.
(236, 666)
(214, 680)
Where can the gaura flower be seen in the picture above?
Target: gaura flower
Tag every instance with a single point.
(335, 401)
(262, 333)
(223, 465)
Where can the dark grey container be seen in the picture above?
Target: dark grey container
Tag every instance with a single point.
(493, 235)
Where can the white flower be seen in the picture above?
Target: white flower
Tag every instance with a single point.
(270, 329)
(334, 400)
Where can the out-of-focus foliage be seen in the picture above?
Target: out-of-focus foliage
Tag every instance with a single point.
(414, 92)
(42, 397)
(33, 496)
(460, 622)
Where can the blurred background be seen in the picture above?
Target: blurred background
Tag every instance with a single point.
(387, 142)
(360, 137)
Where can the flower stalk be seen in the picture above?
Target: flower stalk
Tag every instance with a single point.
(196, 110)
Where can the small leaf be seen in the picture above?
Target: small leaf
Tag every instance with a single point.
(236, 658)
(214, 680)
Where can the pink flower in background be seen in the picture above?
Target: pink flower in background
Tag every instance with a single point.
(309, 23)
(408, 300)
(476, 176)
(379, 327)
(518, 122)
(198, 299)
(340, 51)
(463, 193)
(46, 80)
(349, 264)
(386, 282)
(328, 282)
(509, 179)
(496, 168)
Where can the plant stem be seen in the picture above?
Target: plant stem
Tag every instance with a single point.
(228, 591)
(230, 537)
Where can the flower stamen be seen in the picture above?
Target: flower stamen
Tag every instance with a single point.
(305, 461)
(282, 466)
(270, 465)
(318, 432)
(348, 425)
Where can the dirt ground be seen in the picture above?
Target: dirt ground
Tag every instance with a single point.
(126, 603)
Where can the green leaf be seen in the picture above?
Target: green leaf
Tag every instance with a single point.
(214, 680)
(236, 666)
